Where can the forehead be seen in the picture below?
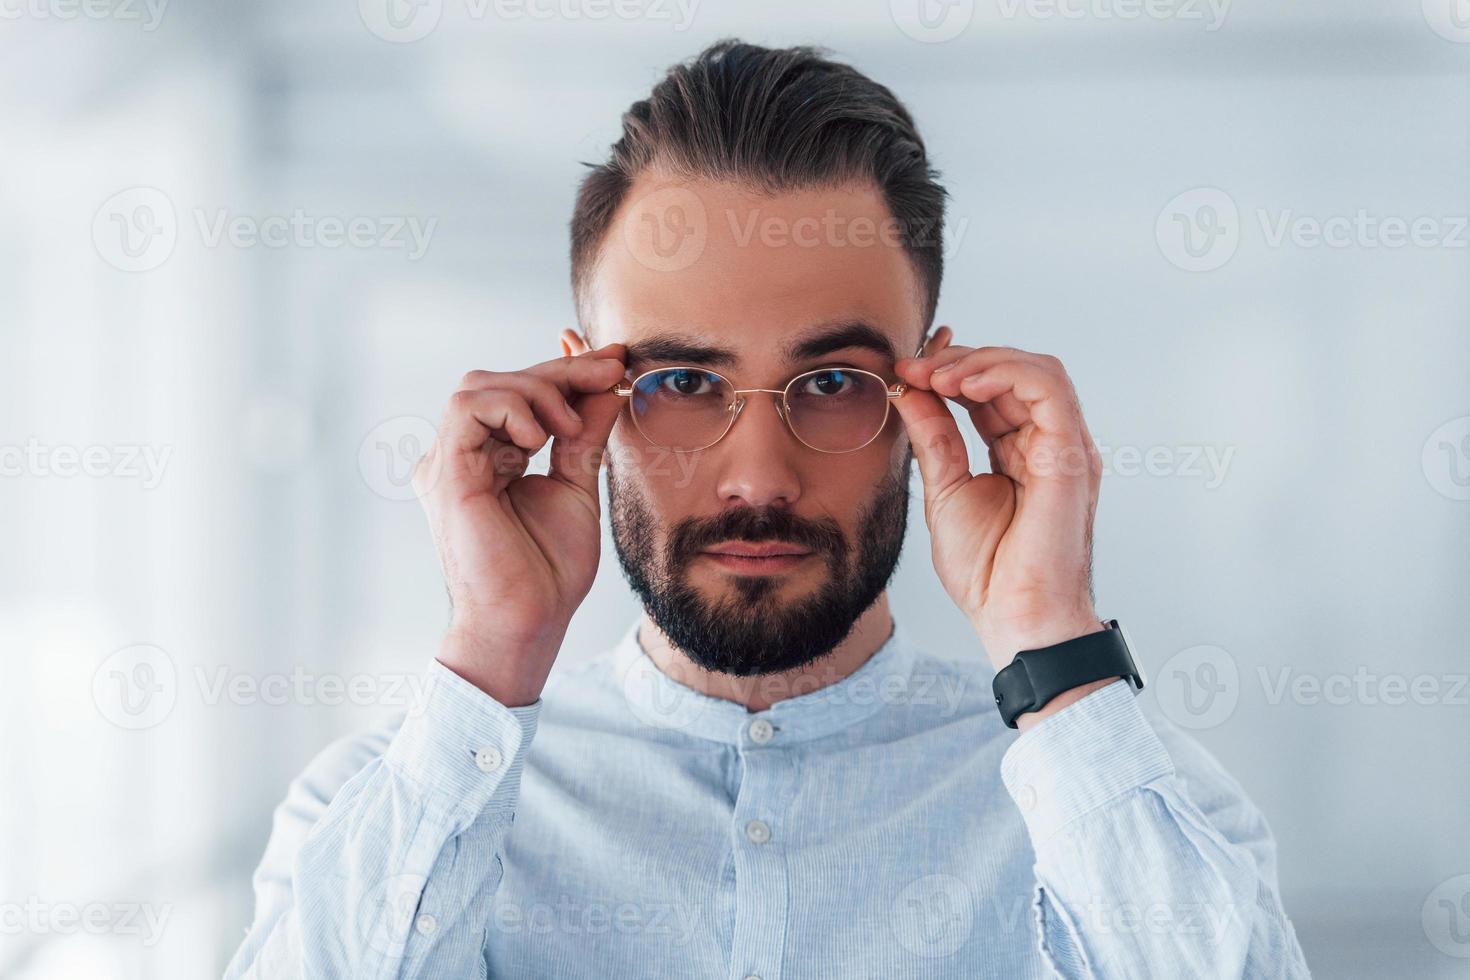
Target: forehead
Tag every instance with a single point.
(727, 265)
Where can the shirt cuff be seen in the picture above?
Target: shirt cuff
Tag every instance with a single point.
(462, 746)
(1081, 758)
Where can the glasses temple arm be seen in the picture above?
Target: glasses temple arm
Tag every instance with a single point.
(923, 342)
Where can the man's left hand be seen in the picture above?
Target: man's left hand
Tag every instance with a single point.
(1013, 547)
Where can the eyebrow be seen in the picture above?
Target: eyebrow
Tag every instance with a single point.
(818, 343)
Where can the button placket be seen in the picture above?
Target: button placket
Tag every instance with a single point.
(761, 891)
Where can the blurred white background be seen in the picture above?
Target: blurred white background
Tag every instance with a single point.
(1241, 226)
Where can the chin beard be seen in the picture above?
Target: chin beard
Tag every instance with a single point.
(753, 631)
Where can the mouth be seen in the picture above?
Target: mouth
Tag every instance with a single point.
(767, 558)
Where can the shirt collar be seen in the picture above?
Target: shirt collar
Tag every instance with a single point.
(659, 701)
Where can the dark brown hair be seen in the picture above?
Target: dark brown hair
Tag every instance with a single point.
(777, 119)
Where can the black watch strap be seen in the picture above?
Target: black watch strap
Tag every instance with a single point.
(1034, 677)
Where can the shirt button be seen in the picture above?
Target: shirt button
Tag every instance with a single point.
(425, 924)
(752, 977)
(1026, 798)
(758, 831)
(488, 758)
(761, 731)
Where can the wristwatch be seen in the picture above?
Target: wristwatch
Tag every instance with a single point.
(1034, 677)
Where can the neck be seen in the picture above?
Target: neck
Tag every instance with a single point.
(870, 632)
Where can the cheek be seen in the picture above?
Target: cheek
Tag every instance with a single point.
(894, 444)
(844, 485)
(667, 484)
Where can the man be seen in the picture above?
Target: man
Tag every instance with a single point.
(764, 777)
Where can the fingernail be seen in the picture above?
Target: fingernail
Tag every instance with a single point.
(941, 370)
(573, 413)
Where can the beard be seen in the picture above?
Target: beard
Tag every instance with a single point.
(753, 631)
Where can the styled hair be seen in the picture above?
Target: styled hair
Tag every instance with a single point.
(776, 119)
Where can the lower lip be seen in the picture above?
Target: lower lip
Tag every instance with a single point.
(756, 566)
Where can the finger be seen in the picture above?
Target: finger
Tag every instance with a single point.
(577, 460)
(1094, 457)
(951, 382)
(1008, 458)
(936, 341)
(948, 375)
(1044, 396)
(939, 447)
(918, 370)
(553, 410)
(590, 371)
(989, 422)
(585, 372)
(933, 343)
(477, 416)
(1048, 454)
(926, 373)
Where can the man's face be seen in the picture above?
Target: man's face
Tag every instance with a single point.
(757, 288)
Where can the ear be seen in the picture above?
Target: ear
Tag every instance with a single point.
(573, 343)
(937, 341)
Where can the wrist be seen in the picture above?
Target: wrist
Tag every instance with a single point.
(513, 673)
(1042, 680)
(1067, 698)
(1003, 639)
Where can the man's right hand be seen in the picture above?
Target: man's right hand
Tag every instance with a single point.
(519, 551)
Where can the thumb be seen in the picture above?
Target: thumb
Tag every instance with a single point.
(939, 447)
(576, 460)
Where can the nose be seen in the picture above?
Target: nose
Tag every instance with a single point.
(756, 456)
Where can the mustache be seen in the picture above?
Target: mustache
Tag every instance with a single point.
(754, 524)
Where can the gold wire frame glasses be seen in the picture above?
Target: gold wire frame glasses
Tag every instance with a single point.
(670, 412)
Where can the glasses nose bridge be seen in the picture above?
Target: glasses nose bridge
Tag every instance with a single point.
(779, 399)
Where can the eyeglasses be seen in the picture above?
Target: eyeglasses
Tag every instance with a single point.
(830, 410)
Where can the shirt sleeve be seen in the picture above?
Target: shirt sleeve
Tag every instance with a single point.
(1140, 872)
(381, 876)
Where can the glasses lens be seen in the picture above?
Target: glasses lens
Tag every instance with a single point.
(837, 411)
(682, 409)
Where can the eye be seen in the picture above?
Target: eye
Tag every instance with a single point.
(824, 384)
(686, 383)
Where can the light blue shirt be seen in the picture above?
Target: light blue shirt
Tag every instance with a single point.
(889, 826)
